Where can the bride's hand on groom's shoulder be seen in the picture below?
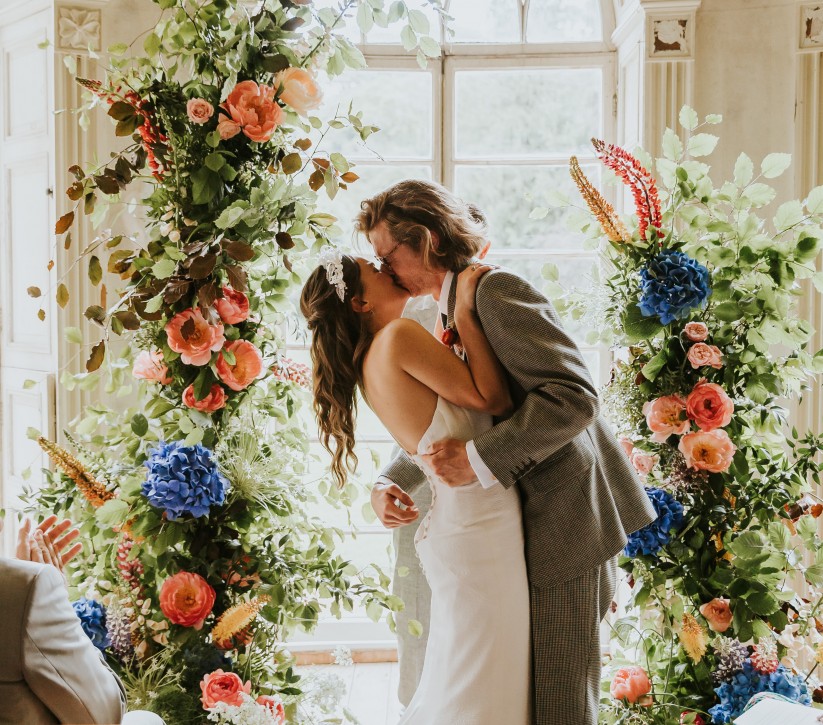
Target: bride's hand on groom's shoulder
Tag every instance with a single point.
(384, 501)
(467, 282)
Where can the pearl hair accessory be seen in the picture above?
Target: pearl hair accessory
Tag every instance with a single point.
(332, 259)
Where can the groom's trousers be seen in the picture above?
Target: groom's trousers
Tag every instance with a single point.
(566, 621)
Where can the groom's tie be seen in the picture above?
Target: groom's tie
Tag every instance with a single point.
(444, 320)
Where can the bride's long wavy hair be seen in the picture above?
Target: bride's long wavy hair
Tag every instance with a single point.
(340, 340)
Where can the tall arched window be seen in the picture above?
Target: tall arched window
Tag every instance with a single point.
(521, 85)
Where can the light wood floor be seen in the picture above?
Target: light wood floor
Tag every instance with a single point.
(371, 690)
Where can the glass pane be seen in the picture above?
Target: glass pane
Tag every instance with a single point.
(563, 21)
(398, 102)
(574, 272)
(508, 213)
(392, 33)
(527, 112)
(593, 358)
(485, 21)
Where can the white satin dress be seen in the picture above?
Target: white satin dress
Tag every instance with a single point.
(477, 665)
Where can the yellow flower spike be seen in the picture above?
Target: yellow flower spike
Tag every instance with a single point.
(612, 226)
(235, 619)
(94, 491)
(693, 638)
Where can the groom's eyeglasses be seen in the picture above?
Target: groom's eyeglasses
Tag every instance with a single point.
(385, 260)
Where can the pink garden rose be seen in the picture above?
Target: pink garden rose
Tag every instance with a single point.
(666, 416)
(275, 706)
(626, 444)
(702, 355)
(219, 686)
(643, 462)
(193, 337)
(149, 365)
(186, 599)
(233, 306)
(248, 364)
(251, 109)
(709, 406)
(300, 90)
(696, 331)
(630, 683)
(708, 450)
(199, 110)
(215, 400)
(718, 614)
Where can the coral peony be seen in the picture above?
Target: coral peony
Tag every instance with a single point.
(709, 406)
(718, 614)
(199, 110)
(630, 683)
(219, 686)
(251, 109)
(248, 364)
(666, 416)
(300, 90)
(696, 331)
(186, 599)
(233, 306)
(702, 355)
(708, 450)
(149, 365)
(215, 400)
(275, 706)
(194, 338)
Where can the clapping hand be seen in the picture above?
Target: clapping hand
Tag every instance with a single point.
(49, 543)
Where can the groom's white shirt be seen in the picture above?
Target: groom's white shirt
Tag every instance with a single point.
(481, 470)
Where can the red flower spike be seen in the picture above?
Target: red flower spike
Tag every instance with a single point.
(638, 179)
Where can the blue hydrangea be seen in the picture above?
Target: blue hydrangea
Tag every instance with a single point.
(672, 285)
(650, 539)
(745, 684)
(92, 617)
(183, 480)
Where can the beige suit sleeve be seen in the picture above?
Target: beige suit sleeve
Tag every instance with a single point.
(60, 664)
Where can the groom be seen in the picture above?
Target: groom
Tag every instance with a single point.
(580, 496)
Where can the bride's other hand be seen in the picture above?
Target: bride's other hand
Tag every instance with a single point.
(384, 498)
(467, 282)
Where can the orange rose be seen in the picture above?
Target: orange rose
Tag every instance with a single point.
(194, 338)
(718, 614)
(233, 306)
(707, 450)
(666, 416)
(275, 706)
(248, 364)
(709, 406)
(300, 91)
(250, 108)
(630, 683)
(215, 400)
(186, 599)
(696, 331)
(703, 355)
(219, 686)
(150, 366)
(199, 110)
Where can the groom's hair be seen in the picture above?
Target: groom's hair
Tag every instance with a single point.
(415, 208)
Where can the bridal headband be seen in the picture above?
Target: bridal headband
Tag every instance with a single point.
(332, 259)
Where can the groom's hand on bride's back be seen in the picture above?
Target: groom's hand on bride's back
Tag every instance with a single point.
(384, 501)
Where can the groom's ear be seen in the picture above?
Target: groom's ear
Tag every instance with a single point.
(435, 240)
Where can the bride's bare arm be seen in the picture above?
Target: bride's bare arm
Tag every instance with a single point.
(478, 386)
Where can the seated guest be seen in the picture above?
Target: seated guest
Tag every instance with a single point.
(50, 672)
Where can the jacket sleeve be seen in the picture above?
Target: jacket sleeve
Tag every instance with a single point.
(60, 664)
(403, 471)
(561, 399)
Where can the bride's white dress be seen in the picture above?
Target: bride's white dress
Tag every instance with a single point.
(470, 544)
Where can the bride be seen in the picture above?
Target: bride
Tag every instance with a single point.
(476, 670)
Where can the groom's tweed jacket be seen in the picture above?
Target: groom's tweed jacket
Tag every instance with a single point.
(580, 495)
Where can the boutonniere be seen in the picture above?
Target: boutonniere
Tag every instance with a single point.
(451, 339)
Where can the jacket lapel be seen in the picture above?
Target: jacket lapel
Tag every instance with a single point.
(452, 299)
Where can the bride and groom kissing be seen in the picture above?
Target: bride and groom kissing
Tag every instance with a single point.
(532, 496)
